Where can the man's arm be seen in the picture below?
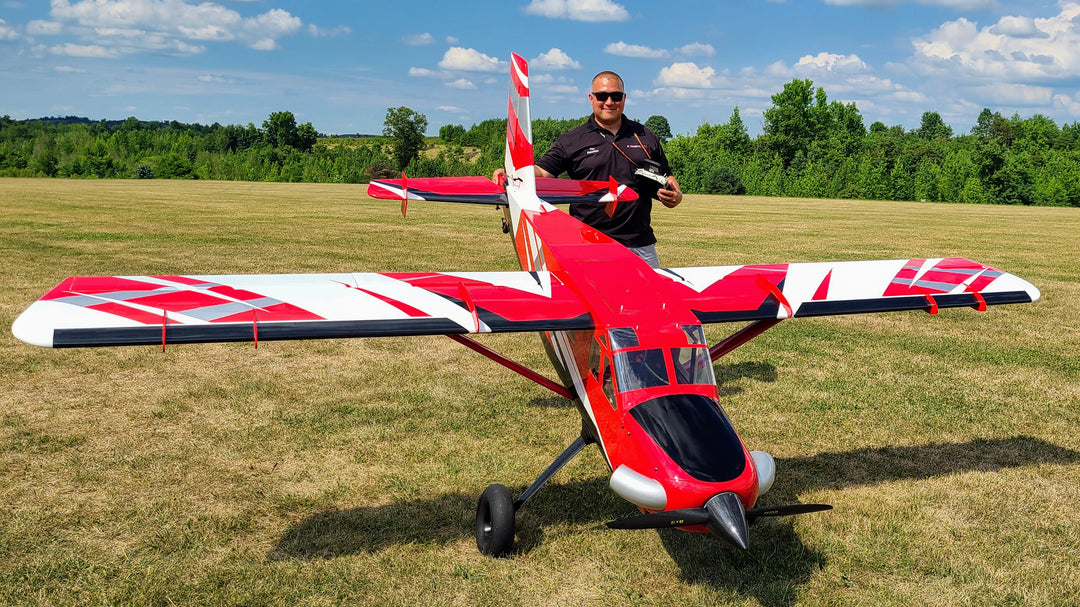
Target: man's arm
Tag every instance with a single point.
(499, 176)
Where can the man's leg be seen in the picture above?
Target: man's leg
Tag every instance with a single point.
(648, 253)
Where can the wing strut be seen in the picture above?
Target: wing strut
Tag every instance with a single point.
(744, 335)
(513, 366)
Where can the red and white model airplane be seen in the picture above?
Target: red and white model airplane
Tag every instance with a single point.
(626, 340)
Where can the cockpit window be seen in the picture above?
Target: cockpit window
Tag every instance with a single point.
(695, 335)
(693, 366)
(624, 337)
(639, 369)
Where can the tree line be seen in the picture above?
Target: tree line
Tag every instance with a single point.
(809, 147)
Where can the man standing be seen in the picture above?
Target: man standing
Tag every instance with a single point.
(611, 145)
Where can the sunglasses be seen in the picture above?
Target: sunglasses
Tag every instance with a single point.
(602, 96)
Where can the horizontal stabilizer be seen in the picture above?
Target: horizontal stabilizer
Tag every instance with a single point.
(481, 190)
(133, 310)
(570, 191)
(760, 292)
(471, 190)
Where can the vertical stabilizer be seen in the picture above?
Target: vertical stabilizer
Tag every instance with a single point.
(519, 145)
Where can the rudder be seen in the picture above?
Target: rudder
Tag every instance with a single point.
(519, 144)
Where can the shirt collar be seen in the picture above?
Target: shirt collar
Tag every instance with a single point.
(595, 126)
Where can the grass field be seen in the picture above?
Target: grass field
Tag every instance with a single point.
(346, 472)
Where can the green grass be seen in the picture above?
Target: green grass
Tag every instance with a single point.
(346, 472)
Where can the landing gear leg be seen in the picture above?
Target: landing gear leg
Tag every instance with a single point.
(496, 509)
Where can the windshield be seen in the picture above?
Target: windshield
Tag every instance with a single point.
(693, 366)
(639, 369)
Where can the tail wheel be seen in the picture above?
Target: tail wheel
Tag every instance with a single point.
(495, 521)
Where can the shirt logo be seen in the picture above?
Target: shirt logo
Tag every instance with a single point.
(592, 151)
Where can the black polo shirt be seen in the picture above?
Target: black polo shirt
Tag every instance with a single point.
(586, 152)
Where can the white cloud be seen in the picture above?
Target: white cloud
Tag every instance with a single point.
(686, 75)
(266, 44)
(83, 50)
(321, 32)
(1069, 104)
(44, 28)
(423, 72)
(7, 32)
(469, 60)
(208, 32)
(779, 69)
(1018, 27)
(696, 49)
(555, 59)
(461, 83)
(1015, 49)
(1022, 95)
(636, 51)
(578, 10)
(129, 26)
(418, 39)
(274, 23)
(829, 62)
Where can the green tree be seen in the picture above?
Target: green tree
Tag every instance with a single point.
(789, 124)
(406, 128)
(280, 129)
(933, 127)
(452, 133)
(306, 136)
(660, 127)
(724, 179)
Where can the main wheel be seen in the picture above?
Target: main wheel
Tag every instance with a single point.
(495, 521)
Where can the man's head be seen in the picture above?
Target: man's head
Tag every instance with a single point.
(606, 86)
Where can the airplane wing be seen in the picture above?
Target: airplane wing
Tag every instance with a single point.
(759, 292)
(481, 190)
(133, 310)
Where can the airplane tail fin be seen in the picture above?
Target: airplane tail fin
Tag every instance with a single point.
(519, 144)
(524, 191)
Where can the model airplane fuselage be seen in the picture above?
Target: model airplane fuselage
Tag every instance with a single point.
(626, 340)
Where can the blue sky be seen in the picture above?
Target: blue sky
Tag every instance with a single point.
(340, 64)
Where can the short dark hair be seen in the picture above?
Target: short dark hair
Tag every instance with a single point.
(610, 74)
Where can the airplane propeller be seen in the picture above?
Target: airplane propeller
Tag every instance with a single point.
(723, 514)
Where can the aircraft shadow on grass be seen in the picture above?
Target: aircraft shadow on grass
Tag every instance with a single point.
(775, 566)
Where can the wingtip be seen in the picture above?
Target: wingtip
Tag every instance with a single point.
(1034, 293)
(28, 329)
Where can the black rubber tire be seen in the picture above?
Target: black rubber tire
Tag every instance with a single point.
(495, 521)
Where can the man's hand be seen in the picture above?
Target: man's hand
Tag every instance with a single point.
(499, 176)
(670, 196)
